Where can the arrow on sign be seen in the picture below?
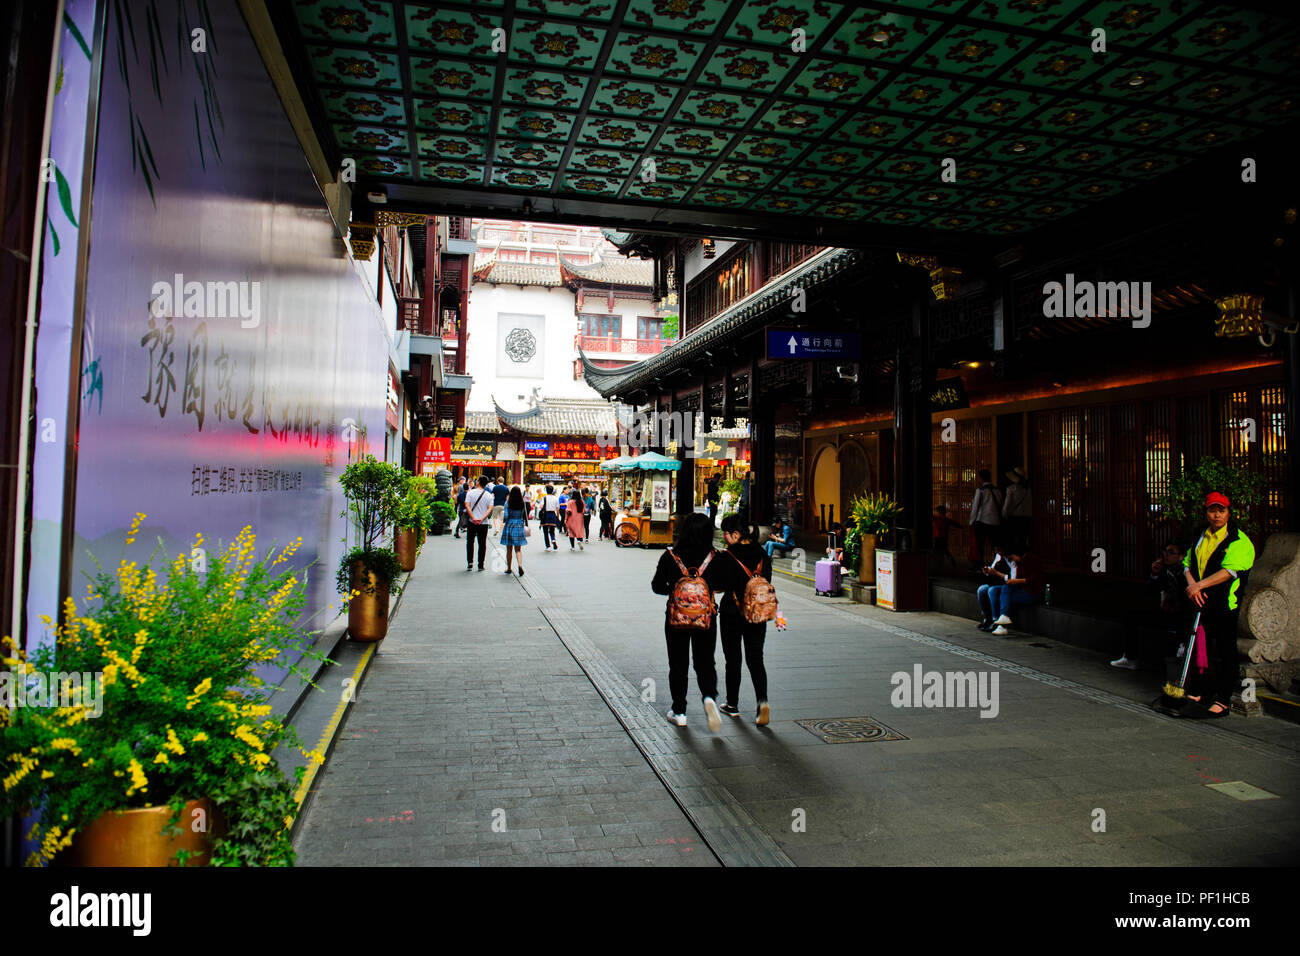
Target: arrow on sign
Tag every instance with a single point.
(793, 344)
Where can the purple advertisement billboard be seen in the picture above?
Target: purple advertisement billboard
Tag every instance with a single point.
(232, 361)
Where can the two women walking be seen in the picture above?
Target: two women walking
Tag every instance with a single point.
(689, 574)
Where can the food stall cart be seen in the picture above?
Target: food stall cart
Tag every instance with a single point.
(648, 480)
(615, 489)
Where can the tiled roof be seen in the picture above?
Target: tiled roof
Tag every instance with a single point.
(557, 416)
(483, 422)
(633, 272)
(499, 272)
(742, 318)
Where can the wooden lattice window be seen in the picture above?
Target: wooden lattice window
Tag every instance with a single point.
(954, 471)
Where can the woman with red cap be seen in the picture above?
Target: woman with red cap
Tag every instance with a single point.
(1216, 569)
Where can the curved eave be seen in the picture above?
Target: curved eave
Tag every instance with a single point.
(741, 318)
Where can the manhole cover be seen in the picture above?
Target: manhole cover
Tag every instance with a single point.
(1240, 790)
(849, 730)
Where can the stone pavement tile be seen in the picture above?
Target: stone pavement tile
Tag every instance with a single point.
(1011, 790)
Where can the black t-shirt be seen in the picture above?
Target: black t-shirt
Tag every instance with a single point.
(667, 573)
(733, 576)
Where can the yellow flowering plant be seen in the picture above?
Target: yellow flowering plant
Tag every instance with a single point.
(180, 712)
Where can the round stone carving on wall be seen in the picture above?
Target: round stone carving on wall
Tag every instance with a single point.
(521, 346)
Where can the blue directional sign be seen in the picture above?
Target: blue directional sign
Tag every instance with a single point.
(805, 344)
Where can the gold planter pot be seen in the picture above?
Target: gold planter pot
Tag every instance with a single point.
(867, 562)
(405, 543)
(135, 838)
(367, 612)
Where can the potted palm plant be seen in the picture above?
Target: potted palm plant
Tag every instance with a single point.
(152, 741)
(368, 573)
(869, 516)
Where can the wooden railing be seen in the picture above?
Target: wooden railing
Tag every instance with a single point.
(408, 315)
(612, 343)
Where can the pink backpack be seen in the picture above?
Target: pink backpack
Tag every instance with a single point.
(690, 605)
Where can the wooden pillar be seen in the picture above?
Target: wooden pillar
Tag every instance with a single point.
(462, 314)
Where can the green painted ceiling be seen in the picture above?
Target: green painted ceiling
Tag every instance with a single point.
(854, 129)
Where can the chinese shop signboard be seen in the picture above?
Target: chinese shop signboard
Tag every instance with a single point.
(434, 453)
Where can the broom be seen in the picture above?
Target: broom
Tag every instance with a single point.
(1177, 692)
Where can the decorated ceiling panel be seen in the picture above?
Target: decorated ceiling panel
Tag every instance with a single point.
(795, 108)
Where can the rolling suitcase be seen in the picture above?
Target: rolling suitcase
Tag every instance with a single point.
(826, 576)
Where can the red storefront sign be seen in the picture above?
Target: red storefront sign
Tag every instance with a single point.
(432, 454)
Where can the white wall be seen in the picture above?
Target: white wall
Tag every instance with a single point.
(486, 302)
(695, 263)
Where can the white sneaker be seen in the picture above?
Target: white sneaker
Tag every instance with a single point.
(1003, 620)
(1125, 663)
(678, 719)
(999, 631)
(711, 715)
(580, 547)
(764, 714)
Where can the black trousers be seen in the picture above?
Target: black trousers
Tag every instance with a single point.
(681, 644)
(476, 532)
(1220, 680)
(606, 527)
(586, 526)
(735, 632)
(983, 534)
(548, 535)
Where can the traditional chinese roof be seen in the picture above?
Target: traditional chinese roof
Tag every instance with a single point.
(499, 272)
(747, 315)
(611, 272)
(562, 416)
(482, 423)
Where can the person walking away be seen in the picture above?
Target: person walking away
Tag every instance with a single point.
(744, 498)
(939, 525)
(1018, 507)
(588, 509)
(747, 561)
(606, 516)
(514, 530)
(711, 496)
(573, 522)
(1214, 571)
(500, 494)
(478, 506)
(550, 509)
(986, 511)
(462, 519)
(694, 552)
(1165, 580)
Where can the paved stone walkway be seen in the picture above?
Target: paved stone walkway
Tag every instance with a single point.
(476, 703)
